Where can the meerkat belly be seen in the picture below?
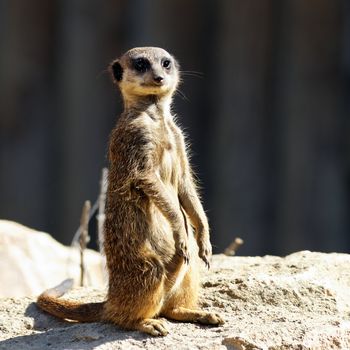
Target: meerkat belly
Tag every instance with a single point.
(170, 169)
(168, 174)
(162, 238)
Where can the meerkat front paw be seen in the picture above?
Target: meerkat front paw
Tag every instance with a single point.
(205, 250)
(181, 247)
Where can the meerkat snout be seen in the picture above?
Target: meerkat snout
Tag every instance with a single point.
(158, 79)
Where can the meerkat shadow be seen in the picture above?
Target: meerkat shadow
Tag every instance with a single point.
(43, 320)
(95, 332)
(51, 333)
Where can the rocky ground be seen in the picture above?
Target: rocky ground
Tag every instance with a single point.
(301, 301)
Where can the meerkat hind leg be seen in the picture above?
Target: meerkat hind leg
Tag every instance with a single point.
(139, 310)
(183, 305)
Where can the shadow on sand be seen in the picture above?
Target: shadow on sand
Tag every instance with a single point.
(54, 334)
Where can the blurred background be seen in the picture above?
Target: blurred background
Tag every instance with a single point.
(268, 121)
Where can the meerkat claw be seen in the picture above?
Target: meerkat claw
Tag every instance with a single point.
(184, 256)
(206, 262)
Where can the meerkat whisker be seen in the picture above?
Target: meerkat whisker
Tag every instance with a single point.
(99, 75)
(183, 96)
(193, 73)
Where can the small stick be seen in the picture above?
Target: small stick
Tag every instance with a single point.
(84, 237)
(233, 247)
(101, 208)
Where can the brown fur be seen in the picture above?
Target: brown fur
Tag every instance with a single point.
(152, 205)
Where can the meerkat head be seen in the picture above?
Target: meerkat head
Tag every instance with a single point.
(145, 71)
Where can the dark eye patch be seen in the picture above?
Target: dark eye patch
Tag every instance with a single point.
(166, 63)
(141, 64)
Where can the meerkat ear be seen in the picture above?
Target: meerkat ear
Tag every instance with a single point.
(116, 70)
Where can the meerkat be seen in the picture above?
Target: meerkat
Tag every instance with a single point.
(155, 230)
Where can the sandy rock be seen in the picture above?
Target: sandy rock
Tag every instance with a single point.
(32, 261)
(301, 301)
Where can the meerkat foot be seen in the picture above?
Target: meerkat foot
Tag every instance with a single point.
(153, 327)
(211, 318)
(188, 315)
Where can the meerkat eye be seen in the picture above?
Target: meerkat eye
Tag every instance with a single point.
(166, 64)
(141, 64)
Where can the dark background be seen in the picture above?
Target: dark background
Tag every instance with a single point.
(268, 121)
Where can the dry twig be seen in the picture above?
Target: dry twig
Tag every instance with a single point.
(101, 208)
(233, 247)
(84, 237)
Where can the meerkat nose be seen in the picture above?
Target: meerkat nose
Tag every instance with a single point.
(158, 79)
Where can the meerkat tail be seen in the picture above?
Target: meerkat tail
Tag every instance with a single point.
(65, 309)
